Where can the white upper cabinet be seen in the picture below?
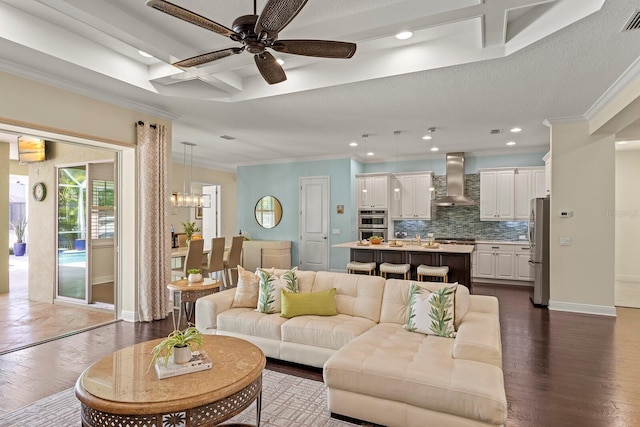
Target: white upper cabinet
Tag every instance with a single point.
(410, 196)
(373, 191)
(505, 194)
(496, 195)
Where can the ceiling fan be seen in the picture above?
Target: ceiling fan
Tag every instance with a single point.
(256, 33)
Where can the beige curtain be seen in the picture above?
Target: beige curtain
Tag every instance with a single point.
(154, 249)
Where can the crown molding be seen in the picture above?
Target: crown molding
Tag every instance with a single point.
(626, 78)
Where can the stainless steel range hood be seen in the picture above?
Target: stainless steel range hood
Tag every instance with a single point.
(455, 183)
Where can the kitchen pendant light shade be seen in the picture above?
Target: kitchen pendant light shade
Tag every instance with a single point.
(189, 199)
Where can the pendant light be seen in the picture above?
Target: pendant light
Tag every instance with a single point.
(189, 199)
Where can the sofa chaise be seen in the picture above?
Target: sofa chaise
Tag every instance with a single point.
(374, 368)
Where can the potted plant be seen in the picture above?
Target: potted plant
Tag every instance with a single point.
(189, 229)
(19, 227)
(195, 275)
(180, 344)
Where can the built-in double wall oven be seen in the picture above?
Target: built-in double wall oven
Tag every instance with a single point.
(372, 222)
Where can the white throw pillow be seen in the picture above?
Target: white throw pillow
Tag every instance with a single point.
(246, 289)
(432, 313)
(269, 298)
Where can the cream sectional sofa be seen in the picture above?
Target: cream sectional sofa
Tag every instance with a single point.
(373, 368)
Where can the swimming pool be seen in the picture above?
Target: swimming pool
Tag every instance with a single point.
(68, 257)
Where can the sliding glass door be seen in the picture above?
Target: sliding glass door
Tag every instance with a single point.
(86, 233)
(72, 233)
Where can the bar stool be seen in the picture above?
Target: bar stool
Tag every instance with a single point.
(387, 267)
(426, 270)
(367, 267)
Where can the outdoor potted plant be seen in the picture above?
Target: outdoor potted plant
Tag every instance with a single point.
(180, 344)
(195, 275)
(190, 228)
(19, 227)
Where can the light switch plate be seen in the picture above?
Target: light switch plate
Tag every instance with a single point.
(335, 231)
(565, 241)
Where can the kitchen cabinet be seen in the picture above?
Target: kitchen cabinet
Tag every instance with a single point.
(373, 191)
(410, 196)
(505, 194)
(547, 173)
(529, 183)
(523, 270)
(496, 195)
(502, 261)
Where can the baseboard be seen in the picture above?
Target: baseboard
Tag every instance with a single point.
(600, 310)
(129, 316)
(502, 282)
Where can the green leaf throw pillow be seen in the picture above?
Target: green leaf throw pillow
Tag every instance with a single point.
(269, 289)
(308, 303)
(431, 313)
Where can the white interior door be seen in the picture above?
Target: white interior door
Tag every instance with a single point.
(210, 216)
(314, 223)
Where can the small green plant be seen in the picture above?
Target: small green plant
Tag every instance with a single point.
(190, 337)
(194, 271)
(19, 227)
(190, 228)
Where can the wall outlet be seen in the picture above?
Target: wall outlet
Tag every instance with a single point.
(565, 241)
(335, 231)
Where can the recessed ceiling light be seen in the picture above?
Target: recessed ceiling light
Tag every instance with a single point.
(370, 153)
(404, 35)
(511, 143)
(434, 148)
(427, 137)
(145, 54)
(622, 142)
(353, 144)
(280, 61)
(516, 130)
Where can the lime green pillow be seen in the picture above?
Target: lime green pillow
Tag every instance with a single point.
(318, 303)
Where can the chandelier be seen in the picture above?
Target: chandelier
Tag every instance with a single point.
(184, 199)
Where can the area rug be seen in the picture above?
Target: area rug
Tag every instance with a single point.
(286, 401)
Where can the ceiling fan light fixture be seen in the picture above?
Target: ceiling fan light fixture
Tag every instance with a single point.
(404, 35)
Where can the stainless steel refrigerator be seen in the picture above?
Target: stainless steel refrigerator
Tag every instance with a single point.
(539, 249)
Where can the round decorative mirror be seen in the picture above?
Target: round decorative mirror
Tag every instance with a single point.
(268, 212)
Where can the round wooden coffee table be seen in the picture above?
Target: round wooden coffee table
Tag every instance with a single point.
(120, 389)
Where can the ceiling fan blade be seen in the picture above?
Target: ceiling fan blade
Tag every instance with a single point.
(208, 57)
(271, 71)
(318, 48)
(276, 15)
(191, 17)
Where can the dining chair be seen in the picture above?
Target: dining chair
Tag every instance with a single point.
(215, 260)
(233, 258)
(193, 259)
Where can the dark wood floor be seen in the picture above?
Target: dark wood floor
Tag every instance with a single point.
(560, 369)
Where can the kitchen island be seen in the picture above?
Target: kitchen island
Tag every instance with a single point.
(456, 257)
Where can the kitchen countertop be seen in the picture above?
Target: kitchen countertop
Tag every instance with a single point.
(454, 249)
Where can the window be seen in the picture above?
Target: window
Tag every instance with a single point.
(102, 209)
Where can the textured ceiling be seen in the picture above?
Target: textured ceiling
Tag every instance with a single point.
(470, 67)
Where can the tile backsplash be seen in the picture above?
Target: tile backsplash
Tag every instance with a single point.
(462, 221)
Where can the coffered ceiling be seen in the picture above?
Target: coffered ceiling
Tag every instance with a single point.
(471, 66)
